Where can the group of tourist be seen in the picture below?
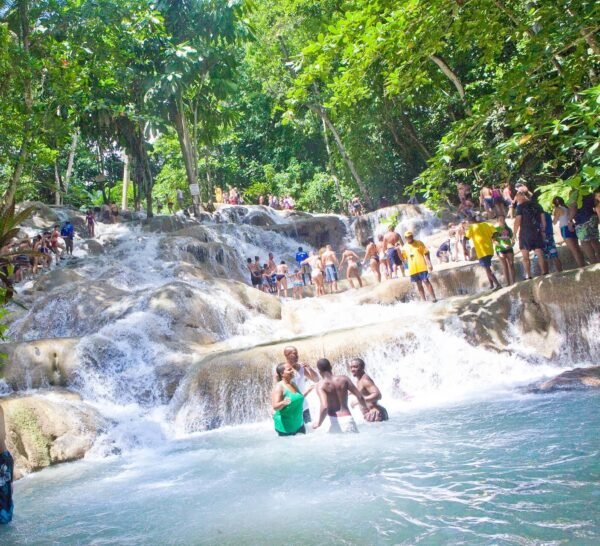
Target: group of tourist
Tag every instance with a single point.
(291, 413)
(533, 231)
(32, 254)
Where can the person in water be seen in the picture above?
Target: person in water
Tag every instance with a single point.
(302, 372)
(288, 402)
(369, 390)
(331, 268)
(333, 394)
(7, 466)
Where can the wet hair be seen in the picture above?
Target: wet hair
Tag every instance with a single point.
(558, 201)
(249, 260)
(323, 365)
(280, 369)
(358, 361)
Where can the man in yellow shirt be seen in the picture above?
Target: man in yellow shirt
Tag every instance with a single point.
(481, 233)
(419, 264)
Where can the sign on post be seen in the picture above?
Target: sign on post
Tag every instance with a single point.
(194, 189)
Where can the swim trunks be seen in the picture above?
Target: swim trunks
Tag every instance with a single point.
(567, 233)
(393, 257)
(588, 231)
(422, 276)
(331, 274)
(485, 261)
(488, 202)
(342, 423)
(550, 251)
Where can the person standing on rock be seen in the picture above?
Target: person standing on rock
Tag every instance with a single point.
(316, 272)
(482, 233)
(370, 392)
(301, 256)
(391, 240)
(353, 270)
(333, 394)
(7, 466)
(529, 228)
(331, 268)
(419, 264)
(372, 257)
(68, 233)
(91, 223)
(282, 283)
(381, 252)
(302, 372)
(503, 244)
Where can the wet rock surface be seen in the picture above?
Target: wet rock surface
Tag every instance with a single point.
(578, 378)
(48, 428)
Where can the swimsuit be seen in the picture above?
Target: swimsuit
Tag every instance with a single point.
(342, 423)
(331, 274)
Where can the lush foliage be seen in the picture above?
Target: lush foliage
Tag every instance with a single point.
(321, 100)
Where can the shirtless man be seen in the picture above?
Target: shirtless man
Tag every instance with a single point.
(316, 272)
(486, 199)
(373, 258)
(353, 267)
(282, 284)
(303, 372)
(333, 394)
(391, 239)
(369, 390)
(331, 264)
(255, 273)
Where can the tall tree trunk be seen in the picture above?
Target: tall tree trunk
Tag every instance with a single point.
(71, 161)
(59, 184)
(188, 150)
(24, 30)
(331, 165)
(125, 182)
(320, 111)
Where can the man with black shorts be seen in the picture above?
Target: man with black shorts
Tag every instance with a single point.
(529, 229)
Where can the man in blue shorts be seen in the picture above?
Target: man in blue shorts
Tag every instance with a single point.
(331, 268)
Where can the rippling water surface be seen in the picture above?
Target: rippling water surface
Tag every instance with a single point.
(524, 470)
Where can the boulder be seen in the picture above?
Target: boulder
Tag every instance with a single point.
(165, 224)
(317, 231)
(74, 309)
(40, 363)
(93, 247)
(47, 428)
(550, 316)
(577, 378)
(55, 278)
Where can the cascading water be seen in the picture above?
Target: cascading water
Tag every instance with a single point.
(166, 351)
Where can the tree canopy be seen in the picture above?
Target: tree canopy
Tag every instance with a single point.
(321, 100)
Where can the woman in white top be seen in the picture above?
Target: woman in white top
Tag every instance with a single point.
(560, 215)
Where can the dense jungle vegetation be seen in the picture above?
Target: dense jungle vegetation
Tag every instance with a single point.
(322, 100)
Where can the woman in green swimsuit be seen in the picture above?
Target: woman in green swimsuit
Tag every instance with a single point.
(287, 403)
